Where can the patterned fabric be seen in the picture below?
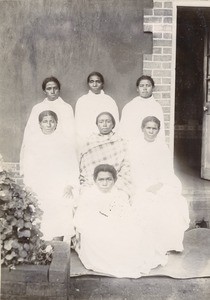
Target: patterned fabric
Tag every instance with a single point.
(105, 149)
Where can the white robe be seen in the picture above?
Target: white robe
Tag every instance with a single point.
(66, 123)
(49, 165)
(163, 207)
(133, 114)
(112, 239)
(88, 107)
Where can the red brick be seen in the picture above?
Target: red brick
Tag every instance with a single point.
(147, 72)
(157, 5)
(148, 28)
(168, 4)
(157, 95)
(158, 27)
(167, 35)
(166, 65)
(163, 12)
(166, 95)
(162, 43)
(157, 50)
(166, 109)
(167, 20)
(164, 102)
(161, 88)
(162, 57)
(152, 65)
(166, 117)
(152, 20)
(157, 35)
(167, 50)
(148, 57)
(157, 80)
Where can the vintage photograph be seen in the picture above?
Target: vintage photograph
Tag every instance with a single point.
(105, 149)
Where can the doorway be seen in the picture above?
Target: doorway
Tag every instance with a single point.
(192, 24)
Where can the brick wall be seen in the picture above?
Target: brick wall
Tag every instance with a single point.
(28, 282)
(14, 170)
(158, 20)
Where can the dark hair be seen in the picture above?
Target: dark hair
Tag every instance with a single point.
(145, 77)
(48, 113)
(150, 119)
(109, 114)
(95, 74)
(49, 79)
(105, 168)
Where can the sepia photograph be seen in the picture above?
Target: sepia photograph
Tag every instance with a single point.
(105, 149)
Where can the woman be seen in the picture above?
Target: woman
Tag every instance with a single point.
(50, 169)
(51, 88)
(90, 105)
(105, 147)
(110, 240)
(158, 196)
(140, 107)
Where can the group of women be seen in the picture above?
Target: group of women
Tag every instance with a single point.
(108, 184)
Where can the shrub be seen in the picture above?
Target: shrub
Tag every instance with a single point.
(20, 219)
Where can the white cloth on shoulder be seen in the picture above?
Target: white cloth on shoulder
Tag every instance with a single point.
(158, 193)
(49, 166)
(133, 114)
(88, 107)
(112, 241)
(65, 126)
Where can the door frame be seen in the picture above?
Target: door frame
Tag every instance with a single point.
(176, 4)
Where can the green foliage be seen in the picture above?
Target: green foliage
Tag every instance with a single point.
(20, 219)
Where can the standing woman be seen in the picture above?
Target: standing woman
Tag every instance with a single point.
(89, 106)
(50, 170)
(140, 107)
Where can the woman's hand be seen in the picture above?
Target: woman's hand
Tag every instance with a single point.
(68, 191)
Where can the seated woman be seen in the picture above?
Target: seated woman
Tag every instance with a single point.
(105, 147)
(50, 169)
(110, 239)
(158, 196)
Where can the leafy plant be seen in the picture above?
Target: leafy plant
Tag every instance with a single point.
(20, 218)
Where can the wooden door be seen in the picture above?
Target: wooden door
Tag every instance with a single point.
(205, 156)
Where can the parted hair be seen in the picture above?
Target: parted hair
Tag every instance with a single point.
(48, 113)
(49, 79)
(105, 168)
(145, 77)
(150, 119)
(94, 73)
(108, 114)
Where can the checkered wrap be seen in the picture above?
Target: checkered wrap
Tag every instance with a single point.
(105, 149)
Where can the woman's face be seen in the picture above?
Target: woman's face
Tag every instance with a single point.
(48, 125)
(52, 91)
(105, 124)
(95, 84)
(145, 88)
(105, 181)
(150, 131)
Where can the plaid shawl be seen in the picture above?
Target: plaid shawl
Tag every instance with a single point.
(105, 149)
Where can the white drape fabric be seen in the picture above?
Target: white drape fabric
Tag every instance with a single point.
(134, 112)
(88, 107)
